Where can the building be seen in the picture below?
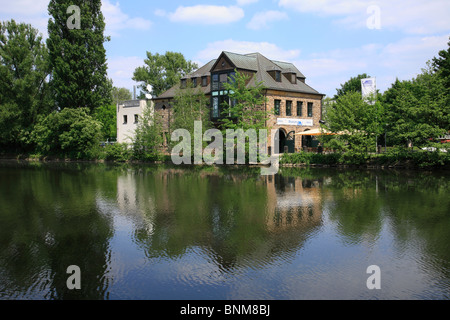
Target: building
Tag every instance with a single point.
(128, 115)
(293, 106)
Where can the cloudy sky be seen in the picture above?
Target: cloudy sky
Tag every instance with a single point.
(328, 40)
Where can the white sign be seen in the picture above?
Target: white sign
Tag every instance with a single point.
(368, 87)
(295, 122)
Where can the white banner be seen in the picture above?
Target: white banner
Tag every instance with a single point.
(295, 122)
(368, 87)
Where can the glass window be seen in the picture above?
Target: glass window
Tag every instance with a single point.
(125, 119)
(278, 76)
(136, 118)
(310, 109)
(183, 83)
(299, 109)
(194, 82)
(215, 80)
(204, 81)
(288, 108)
(277, 107)
(215, 108)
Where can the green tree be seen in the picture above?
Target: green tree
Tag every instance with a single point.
(190, 105)
(352, 85)
(120, 94)
(107, 116)
(78, 56)
(24, 89)
(162, 72)
(442, 64)
(71, 133)
(417, 109)
(245, 109)
(148, 139)
(357, 122)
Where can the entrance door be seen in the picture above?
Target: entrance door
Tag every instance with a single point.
(286, 142)
(290, 142)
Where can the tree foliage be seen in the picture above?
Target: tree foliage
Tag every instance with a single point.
(246, 107)
(78, 56)
(24, 89)
(148, 139)
(162, 71)
(70, 133)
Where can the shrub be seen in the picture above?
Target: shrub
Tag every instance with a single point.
(71, 133)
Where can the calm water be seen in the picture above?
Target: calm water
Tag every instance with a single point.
(153, 232)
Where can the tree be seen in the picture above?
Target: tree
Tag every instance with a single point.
(120, 94)
(245, 107)
(24, 89)
(70, 133)
(417, 109)
(107, 116)
(442, 64)
(162, 72)
(148, 139)
(352, 85)
(357, 122)
(78, 56)
(190, 105)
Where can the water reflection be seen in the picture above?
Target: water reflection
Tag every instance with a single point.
(155, 232)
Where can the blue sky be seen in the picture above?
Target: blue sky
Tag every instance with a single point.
(328, 40)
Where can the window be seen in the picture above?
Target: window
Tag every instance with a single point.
(194, 82)
(215, 108)
(288, 108)
(215, 80)
(299, 109)
(183, 83)
(136, 118)
(204, 81)
(277, 107)
(310, 109)
(278, 76)
(125, 119)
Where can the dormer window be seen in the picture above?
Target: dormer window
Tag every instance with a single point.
(183, 83)
(194, 82)
(204, 81)
(278, 76)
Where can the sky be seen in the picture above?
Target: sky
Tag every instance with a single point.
(329, 41)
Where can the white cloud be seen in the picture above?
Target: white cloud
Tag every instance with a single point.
(117, 20)
(403, 59)
(245, 2)
(270, 50)
(207, 14)
(411, 16)
(261, 20)
(24, 7)
(121, 70)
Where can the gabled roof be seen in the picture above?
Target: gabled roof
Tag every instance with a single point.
(260, 66)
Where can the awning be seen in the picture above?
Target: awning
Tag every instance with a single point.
(315, 132)
(321, 132)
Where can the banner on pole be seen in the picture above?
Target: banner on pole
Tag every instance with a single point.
(368, 88)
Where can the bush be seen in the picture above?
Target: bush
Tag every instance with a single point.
(118, 152)
(71, 133)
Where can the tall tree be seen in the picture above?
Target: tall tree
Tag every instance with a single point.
(24, 89)
(245, 107)
(162, 72)
(77, 55)
(417, 110)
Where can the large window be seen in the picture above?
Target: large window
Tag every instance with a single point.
(219, 94)
(299, 109)
(277, 107)
(288, 108)
(310, 109)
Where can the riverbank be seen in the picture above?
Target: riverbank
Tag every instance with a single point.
(391, 160)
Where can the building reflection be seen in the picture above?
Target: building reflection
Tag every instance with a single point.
(237, 217)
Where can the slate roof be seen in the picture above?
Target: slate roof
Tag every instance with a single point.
(261, 66)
